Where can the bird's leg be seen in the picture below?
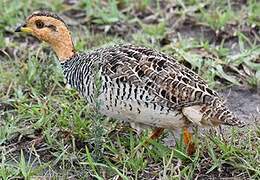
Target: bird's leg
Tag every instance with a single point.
(156, 133)
(187, 138)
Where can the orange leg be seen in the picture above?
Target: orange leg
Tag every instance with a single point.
(187, 138)
(156, 133)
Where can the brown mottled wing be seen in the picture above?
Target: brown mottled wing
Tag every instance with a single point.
(173, 84)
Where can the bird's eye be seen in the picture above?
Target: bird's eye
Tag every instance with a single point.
(39, 24)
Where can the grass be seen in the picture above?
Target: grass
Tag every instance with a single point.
(47, 130)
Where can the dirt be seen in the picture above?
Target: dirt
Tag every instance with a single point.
(245, 103)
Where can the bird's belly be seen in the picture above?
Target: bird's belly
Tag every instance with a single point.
(143, 113)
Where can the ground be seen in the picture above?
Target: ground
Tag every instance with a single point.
(48, 131)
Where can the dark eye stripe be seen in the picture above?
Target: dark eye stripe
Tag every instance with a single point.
(52, 27)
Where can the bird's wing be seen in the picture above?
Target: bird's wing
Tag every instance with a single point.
(173, 84)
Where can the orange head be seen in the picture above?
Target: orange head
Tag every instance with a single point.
(52, 29)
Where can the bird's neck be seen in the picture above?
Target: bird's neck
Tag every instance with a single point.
(63, 47)
(64, 51)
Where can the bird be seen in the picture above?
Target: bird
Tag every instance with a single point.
(133, 83)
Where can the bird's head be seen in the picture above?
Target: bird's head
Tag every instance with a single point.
(49, 27)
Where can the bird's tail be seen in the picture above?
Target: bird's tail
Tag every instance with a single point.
(218, 113)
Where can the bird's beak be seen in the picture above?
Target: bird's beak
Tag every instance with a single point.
(23, 28)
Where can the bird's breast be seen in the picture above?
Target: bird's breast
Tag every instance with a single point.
(134, 104)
